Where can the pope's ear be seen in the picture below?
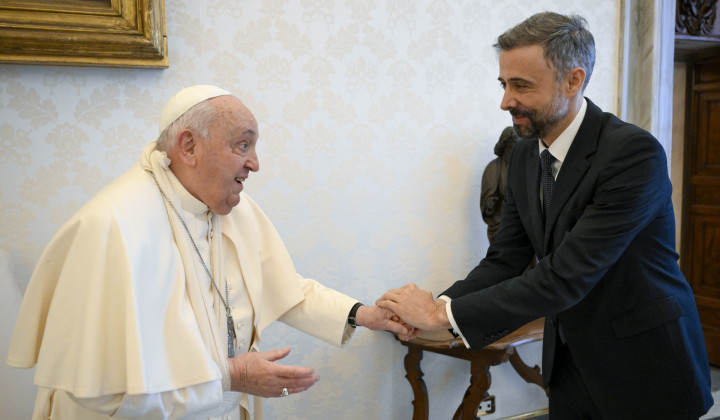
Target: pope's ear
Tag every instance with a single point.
(185, 145)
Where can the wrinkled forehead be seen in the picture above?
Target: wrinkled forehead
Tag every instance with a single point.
(233, 115)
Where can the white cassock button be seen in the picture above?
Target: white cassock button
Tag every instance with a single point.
(240, 325)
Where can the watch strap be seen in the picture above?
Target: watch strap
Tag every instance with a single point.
(352, 321)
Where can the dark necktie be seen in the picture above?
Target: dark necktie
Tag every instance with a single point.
(548, 180)
(548, 183)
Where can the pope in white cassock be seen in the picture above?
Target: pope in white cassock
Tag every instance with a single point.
(150, 301)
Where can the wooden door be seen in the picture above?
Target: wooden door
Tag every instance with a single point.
(701, 201)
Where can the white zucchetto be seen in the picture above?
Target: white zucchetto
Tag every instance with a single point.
(186, 99)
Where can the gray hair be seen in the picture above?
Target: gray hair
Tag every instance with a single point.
(199, 118)
(565, 39)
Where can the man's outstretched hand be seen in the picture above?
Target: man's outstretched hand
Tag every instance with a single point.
(416, 307)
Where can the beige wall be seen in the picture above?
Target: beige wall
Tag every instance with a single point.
(377, 119)
(678, 143)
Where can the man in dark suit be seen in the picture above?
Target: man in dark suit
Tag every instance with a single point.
(622, 334)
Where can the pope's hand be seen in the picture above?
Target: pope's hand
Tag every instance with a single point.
(416, 307)
(256, 373)
(377, 318)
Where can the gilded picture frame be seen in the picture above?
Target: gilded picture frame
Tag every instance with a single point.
(114, 33)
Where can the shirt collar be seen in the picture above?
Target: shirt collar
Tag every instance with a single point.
(559, 148)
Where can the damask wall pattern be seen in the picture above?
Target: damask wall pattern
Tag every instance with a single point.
(376, 121)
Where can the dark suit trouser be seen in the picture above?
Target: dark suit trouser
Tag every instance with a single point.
(569, 398)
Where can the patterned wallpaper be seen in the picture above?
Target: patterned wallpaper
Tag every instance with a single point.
(376, 120)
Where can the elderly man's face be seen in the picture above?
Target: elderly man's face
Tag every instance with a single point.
(532, 96)
(227, 156)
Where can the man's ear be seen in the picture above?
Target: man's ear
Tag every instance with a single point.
(575, 80)
(185, 144)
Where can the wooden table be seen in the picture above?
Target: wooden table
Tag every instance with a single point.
(442, 342)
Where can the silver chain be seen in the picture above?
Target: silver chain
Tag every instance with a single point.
(227, 293)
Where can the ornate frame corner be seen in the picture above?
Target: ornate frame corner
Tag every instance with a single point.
(111, 33)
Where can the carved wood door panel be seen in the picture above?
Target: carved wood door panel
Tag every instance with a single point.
(701, 219)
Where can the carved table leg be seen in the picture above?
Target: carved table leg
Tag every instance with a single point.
(414, 376)
(480, 381)
(529, 374)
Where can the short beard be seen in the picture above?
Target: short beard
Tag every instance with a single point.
(540, 122)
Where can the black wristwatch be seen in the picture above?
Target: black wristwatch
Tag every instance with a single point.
(353, 312)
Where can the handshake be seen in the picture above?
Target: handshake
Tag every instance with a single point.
(407, 311)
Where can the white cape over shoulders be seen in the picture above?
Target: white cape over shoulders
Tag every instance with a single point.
(110, 310)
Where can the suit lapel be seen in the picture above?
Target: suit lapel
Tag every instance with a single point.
(574, 167)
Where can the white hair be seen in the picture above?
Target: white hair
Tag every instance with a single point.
(198, 119)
